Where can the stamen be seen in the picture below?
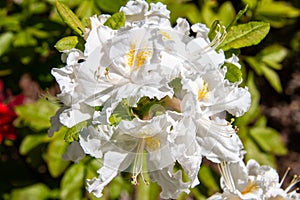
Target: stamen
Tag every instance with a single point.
(284, 176)
(225, 172)
(219, 38)
(138, 162)
(295, 181)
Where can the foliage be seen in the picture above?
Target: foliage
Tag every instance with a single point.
(32, 28)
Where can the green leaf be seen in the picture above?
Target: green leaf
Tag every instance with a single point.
(254, 110)
(251, 3)
(24, 39)
(268, 139)
(186, 10)
(121, 112)
(56, 165)
(273, 55)
(238, 16)
(111, 6)
(116, 21)
(72, 134)
(253, 152)
(37, 115)
(32, 141)
(66, 43)
(273, 78)
(245, 35)
(207, 178)
(37, 191)
(69, 18)
(73, 182)
(255, 64)
(277, 8)
(86, 9)
(233, 74)
(226, 13)
(5, 42)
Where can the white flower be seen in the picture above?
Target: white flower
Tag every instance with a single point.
(216, 137)
(252, 181)
(128, 143)
(149, 59)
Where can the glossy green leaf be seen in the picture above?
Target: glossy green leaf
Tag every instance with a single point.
(233, 74)
(268, 139)
(37, 115)
(37, 191)
(5, 41)
(56, 165)
(73, 182)
(116, 21)
(32, 141)
(66, 43)
(273, 78)
(69, 18)
(238, 16)
(245, 35)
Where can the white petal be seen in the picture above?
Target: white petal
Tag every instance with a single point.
(135, 10)
(112, 162)
(218, 140)
(171, 183)
(76, 114)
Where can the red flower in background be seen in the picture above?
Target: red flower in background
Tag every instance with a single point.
(7, 113)
(7, 130)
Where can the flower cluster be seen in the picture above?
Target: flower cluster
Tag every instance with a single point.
(252, 181)
(154, 98)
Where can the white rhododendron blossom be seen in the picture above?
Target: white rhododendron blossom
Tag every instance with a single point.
(153, 99)
(252, 181)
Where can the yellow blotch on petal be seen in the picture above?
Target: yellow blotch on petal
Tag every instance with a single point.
(141, 57)
(203, 92)
(166, 36)
(130, 55)
(136, 57)
(249, 188)
(152, 143)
